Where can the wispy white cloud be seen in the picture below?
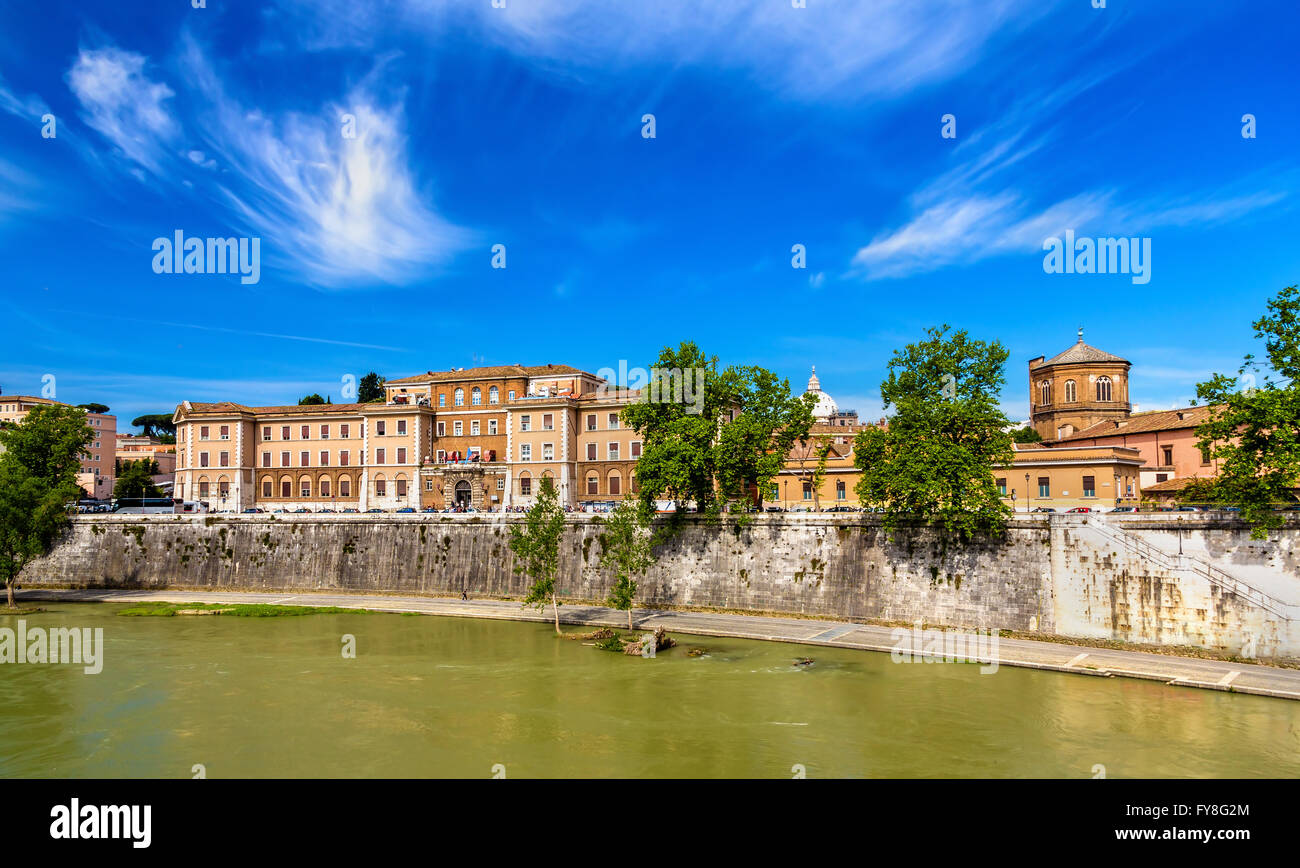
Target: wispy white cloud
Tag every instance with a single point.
(29, 106)
(123, 104)
(333, 210)
(844, 49)
(978, 208)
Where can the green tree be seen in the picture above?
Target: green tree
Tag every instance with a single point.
(370, 389)
(135, 481)
(38, 478)
(1254, 427)
(313, 398)
(934, 460)
(94, 408)
(1026, 435)
(536, 545)
(627, 552)
(155, 425)
(712, 436)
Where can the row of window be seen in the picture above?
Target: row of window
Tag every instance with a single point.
(841, 491)
(458, 428)
(304, 431)
(1103, 389)
(475, 397)
(1045, 486)
(548, 451)
(304, 458)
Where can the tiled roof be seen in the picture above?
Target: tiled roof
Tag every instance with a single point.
(1082, 352)
(493, 372)
(1176, 484)
(1137, 423)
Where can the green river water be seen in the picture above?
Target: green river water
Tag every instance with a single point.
(452, 697)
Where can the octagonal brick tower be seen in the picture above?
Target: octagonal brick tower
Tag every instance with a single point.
(1077, 388)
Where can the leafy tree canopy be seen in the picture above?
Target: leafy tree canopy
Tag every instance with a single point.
(934, 461)
(155, 424)
(370, 389)
(733, 435)
(136, 481)
(94, 408)
(1254, 428)
(1026, 435)
(313, 398)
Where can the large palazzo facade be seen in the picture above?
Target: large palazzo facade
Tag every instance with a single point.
(478, 437)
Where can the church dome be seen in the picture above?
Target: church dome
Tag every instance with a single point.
(826, 406)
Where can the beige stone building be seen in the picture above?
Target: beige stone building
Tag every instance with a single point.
(1100, 477)
(137, 447)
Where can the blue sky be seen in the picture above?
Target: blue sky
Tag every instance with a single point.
(775, 126)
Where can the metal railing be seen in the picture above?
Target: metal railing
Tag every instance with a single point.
(1209, 572)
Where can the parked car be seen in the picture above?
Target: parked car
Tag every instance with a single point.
(1081, 509)
(775, 509)
(428, 509)
(254, 509)
(1043, 509)
(406, 509)
(374, 509)
(1125, 509)
(1189, 509)
(843, 509)
(350, 509)
(325, 510)
(301, 510)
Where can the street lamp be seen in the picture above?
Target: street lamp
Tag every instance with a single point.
(1026, 492)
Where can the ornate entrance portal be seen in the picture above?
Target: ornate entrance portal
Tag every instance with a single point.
(463, 493)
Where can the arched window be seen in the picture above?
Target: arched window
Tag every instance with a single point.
(381, 486)
(494, 395)
(268, 487)
(460, 397)
(223, 487)
(525, 483)
(593, 483)
(636, 488)
(476, 396)
(615, 482)
(1070, 392)
(401, 485)
(324, 486)
(286, 487)
(1103, 388)
(345, 486)
(304, 486)
(203, 487)
(1045, 392)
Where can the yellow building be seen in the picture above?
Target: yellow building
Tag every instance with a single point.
(1101, 477)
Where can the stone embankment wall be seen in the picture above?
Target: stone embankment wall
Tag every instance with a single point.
(1058, 574)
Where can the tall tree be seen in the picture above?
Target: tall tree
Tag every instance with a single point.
(934, 460)
(627, 552)
(1254, 428)
(710, 435)
(313, 398)
(38, 478)
(370, 389)
(94, 408)
(536, 545)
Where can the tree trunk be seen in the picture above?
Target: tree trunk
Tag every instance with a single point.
(629, 618)
(555, 607)
(9, 586)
